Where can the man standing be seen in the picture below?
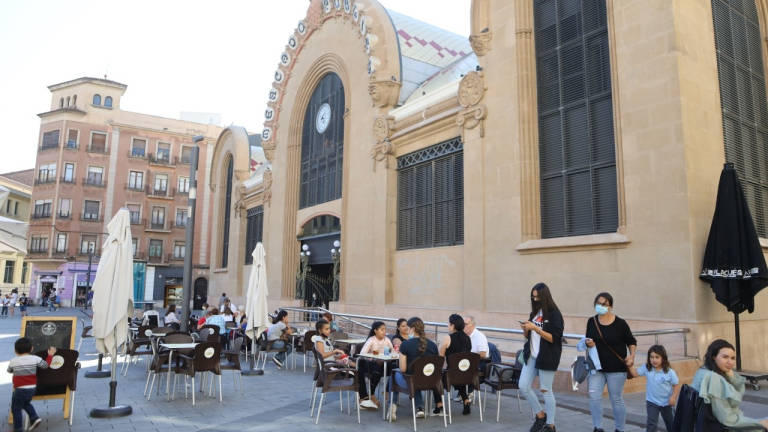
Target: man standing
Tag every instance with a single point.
(14, 300)
(479, 344)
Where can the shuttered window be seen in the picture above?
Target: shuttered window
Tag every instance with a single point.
(253, 231)
(430, 196)
(227, 213)
(743, 100)
(577, 162)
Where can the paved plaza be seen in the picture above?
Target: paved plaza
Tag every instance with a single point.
(278, 400)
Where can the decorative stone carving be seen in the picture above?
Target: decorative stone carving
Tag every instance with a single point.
(239, 206)
(472, 117)
(382, 128)
(481, 43)
(471, 89)
(384, 93)
(267, 182)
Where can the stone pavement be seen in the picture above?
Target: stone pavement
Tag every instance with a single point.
(278, 400)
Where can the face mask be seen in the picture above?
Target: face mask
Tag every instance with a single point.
(600, 309)
(536, 304)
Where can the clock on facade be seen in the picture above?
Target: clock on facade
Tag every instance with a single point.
(323, 118)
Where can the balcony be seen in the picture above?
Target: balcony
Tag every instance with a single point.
(157, 226)
(91, 218)
(41, 215)
(68, 180)
(137, 154)
(45, 180)
(156, 259)
(162, 160)
(181, 193)
(85, 253)
(180, 225)
(71, 145)
(38, 253)
(94, 182)
(139, 256)
(160, 193)
(137, 221)
(97, 149)
(173, 257)
(64, 215)
(136, 187)
(44, 147)
(60, 254)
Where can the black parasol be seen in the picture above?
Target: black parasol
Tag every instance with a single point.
(734, 264)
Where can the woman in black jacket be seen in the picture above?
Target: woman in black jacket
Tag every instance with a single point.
(541, 354)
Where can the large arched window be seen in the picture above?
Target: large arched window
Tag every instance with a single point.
(322, 143)
(577, 161)
(743, 101)
(227, 213)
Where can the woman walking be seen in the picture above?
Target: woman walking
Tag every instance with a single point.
(541, 354)
(612, 337)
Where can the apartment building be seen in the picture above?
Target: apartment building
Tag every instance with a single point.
(15, 193)
(95, 158)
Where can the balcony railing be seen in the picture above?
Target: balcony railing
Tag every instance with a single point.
(137, 221)
(160, 193)
(43, 148)
(68, 180)
(64, 215)
(83, 252)
(174, 257)
(71, 145)
(99, 150)
(135, 154)
(162, 160)
(136, 187)
(37, 251)
(140, 256)
(40, 215)
(180, 225)
(155, 258)
(158, 226)
(91, 218)
(94, 181)
(46, 180)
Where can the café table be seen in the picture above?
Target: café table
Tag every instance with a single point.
(385, 358)
(298, 334)
(171, 347)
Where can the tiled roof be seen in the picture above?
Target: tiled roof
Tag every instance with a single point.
(26, 177)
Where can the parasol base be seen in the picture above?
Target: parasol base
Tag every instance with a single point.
(112, 412)
(97, 374)
(253, 372)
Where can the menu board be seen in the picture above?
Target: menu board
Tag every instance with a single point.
(45, 332)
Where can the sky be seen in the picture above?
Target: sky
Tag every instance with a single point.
(204, 56)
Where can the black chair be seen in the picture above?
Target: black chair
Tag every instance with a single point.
(138, 346)
(305, 347)
(205, 358)
(333, 377)
(427, 375)
(232, 355)
(266, 347)
(502, 376)
(463, 371)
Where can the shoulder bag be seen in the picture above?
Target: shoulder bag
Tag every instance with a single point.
(597, 326)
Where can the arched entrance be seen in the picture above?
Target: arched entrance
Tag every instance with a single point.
(201, 293)
(319, 263)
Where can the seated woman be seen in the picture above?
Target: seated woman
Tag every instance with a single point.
(722, 388)
(171, 320)
(229, 316)
(456, 341)
(401, 333)
(411, 350)
(276, 334)
(377, 343)
(323, 345)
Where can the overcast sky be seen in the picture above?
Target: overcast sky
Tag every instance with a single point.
(174, 56)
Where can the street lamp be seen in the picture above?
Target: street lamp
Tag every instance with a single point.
(186, 294)
(336, 258)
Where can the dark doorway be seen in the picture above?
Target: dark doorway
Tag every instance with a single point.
(319, 285)
(201, 293)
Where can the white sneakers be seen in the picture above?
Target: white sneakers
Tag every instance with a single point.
(393, 412)
(369, 404)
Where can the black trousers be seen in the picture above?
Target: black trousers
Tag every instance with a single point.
(373, 370)
(652, 410)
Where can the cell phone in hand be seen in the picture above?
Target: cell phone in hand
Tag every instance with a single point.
(522, 322)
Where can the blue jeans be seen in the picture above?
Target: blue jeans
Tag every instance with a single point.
(22, 400)
(615, 381)
(545, 384)
(280, 344)
(400, 381)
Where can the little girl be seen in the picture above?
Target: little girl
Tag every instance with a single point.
(661, 388)
(377, 343)
(324, 346)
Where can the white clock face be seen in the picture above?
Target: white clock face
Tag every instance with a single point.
(323, 118)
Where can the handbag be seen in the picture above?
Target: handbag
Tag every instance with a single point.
(579, 371)
(597, 326)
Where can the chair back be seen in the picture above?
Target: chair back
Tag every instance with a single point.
(216, 329)
(61, 373)
(308, 344)
(427, 373)
(230, 325)
(463, 368)
(207, 357)
(142, 332)
(152, 320)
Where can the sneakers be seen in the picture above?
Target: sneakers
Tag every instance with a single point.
(437, 411)
(376, 401)
(419, 412)
(393, 412)
(277, 362)
(368, 404)
(538, 425)
(470, 396)
(598, 430)
(457, 399)
(467, 409)
(35, 424)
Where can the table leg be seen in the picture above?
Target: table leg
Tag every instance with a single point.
(168, 379)
(384, 393)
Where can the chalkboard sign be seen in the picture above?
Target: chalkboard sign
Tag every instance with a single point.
(45, 332)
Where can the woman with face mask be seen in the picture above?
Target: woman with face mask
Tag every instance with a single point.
(613, 339)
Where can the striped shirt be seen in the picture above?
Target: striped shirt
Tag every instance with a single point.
(24, 369)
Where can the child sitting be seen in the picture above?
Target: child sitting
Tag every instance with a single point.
(24, 369)
(324, 347)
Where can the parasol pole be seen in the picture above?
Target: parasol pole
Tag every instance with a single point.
(112, 411)
(738, 340)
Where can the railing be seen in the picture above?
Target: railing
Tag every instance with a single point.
(172, 257)
(159, 193)
(93, 181)
(71, 145)
(43, 148)
(40, 215)
(68, 180)
(64, 216)
(135, 187)
(158, 226)
(137, 155)
(155, 258)
(510, 339)
(47, 180)
(140, 256)
(91, 218)
(37, 251)
(98, 150)
(137, 221)
(162, 160)
(81, 252)
(178, 225)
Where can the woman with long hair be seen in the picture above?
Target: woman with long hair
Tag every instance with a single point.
(170, 317)
(401, 332)
(415, 347)
(276, 334)
(541, 355)
(721, 387)
(456, 341)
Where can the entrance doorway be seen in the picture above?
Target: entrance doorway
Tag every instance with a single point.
(318, 237)
(46, 289)
(319, 285)
(201, 293)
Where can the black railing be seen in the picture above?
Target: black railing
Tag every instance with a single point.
(136, 187)
(94, 181)
(100, 150)
(40, 215)
(137, 154)
(90, 218)
(162, 160)
(46, 180)
(43, 148)
(71, 145)
(155, 258)
(137, 221)
(64, 215)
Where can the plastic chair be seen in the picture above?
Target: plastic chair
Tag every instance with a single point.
(232, 356)
(142, 340)
(266, 347)
(427, 375)
(305, 348)
(462, 371)
(205, 358)
(502, 376)
(84, 334)
(332, 377)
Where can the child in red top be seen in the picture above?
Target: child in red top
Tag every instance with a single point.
(24, 369)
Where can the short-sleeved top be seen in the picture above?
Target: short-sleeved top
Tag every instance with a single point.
(479, 342)
(275, 331)
(375, 344)
(658, 387)
(411, 349)
(618, 336)
(171, 318)
(217, 320)
(327, 346)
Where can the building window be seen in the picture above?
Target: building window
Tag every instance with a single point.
(186, 154)
(183, 185)
(38, 244)
(61, 102)
(8, 207)
(181, 217)
(161, 184)
(69, 173)
(74, 100)
(73, 136)
(179, 250)
(97, 99)
(67, 101)
(743, 101)
(138, 148)
(91, 210)
(108, 101)
(98, 142)
(8, 275)
(155, 248)
(322, 144)
(158, 218)
(24, 270)
(46, 174)
(95, 176)
(254, 231)
(163, 152)
(136, 180)
(16, 208)
(50, 139)
(430, 196)
(87, 244)
(135, 245)
(227, 211)
(134, 210)
(42, 209)
(61, 243)
(65, 207)
(577, 162)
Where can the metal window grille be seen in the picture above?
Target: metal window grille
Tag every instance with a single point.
(227, 213)
(50, 139)
(254, 231)
(430, 196)
(577, 160)
(322, 153)
(743, 100)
